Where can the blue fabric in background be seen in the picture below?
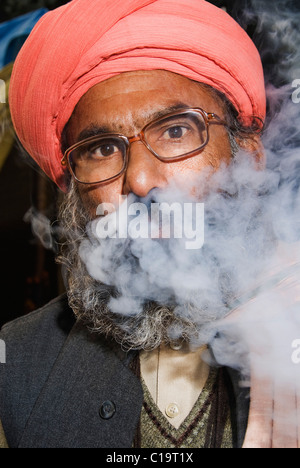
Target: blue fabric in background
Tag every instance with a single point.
(13, 34)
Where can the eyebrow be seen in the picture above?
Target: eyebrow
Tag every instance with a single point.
(97, 130)
(92, 130)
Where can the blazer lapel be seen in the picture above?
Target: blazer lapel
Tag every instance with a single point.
(69, 412)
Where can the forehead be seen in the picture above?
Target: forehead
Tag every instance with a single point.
(127, 102)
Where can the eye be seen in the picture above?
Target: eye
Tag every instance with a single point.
(104, 150)
(176, 132)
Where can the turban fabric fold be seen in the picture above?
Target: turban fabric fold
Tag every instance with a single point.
(86, 42)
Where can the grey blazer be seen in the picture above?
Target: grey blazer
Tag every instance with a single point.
(64, 387)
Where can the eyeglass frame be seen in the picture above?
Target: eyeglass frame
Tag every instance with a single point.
(210, 118)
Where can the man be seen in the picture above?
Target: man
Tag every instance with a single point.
(123, 99)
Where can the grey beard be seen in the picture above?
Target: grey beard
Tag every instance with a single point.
(89, 298)
(141, 311)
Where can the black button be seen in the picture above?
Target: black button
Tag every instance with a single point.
(107, 409)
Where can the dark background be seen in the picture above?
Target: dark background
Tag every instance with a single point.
(29, 274)
(12, 8)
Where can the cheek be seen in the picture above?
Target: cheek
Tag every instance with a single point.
(195, 174)
(215, 155)
(93, 196)
(219, 147)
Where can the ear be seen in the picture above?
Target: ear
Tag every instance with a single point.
(253, 145)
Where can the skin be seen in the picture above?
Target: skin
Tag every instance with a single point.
(125, 104)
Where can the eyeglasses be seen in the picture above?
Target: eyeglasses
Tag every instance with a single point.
(175, 136)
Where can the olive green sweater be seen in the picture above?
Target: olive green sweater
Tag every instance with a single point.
(208, 424)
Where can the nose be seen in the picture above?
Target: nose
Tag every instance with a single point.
(144, 171)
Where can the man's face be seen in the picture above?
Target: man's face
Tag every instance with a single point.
(143, 291)
(125, 104)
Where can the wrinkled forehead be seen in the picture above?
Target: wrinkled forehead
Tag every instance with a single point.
(127, 102)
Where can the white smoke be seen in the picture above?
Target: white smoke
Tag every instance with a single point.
(242, 288)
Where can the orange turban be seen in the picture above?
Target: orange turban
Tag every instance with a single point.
(88, 41)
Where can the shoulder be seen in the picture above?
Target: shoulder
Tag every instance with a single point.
(34, 340)
(56, 315)
(33, 343)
